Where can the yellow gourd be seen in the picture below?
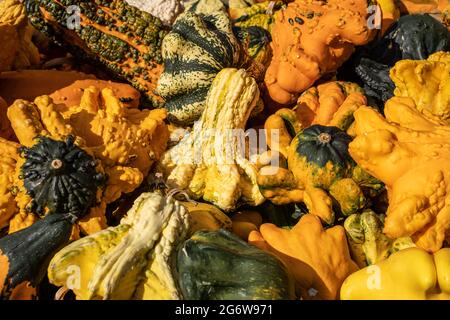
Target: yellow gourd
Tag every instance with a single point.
(410, 274)
(427, 82)
(409, 153)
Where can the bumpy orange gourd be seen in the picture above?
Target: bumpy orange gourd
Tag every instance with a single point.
(312, 38)
(328, 104)
(126, 141)
(18, 51)
(410, 154)
(318, 259)
(427, 82)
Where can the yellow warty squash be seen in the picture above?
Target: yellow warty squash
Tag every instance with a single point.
(410, 154)
(427, 82)
(209, 163)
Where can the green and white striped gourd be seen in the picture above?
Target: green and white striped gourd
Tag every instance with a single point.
(196, 49)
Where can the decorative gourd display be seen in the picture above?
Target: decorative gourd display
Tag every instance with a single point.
(310, 39)
(410, 274)
(134, 260)
(318, 162)
(328, 104)
(122, 38)
(208, 163)
(407, 152)
(368, 245)
(195, 50)
(318, 259)
(24, 255)
(18, 51)
(217, 265)
(125, 141)
(427, 82)
(412, 37)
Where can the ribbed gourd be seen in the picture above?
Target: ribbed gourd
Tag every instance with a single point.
(197, 48)
(134, 260)
(209, 163)
(122, 38)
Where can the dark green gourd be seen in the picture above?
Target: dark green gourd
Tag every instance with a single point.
(217, 265)
(60, 176)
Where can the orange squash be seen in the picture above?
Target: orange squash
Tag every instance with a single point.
(310, 39)
(318, 259)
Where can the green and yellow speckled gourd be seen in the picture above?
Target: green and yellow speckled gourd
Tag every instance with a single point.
(217, 265)
(318, 164)
(367, 242)
(208, 163)
(124, 39)
(196, 49)
(328, 104)
(253, 26)
(124, 262)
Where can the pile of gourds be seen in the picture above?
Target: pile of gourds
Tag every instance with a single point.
(138, 180)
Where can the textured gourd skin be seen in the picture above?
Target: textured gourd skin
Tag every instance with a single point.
(195, 50)
(412, 37)
(24, 255)
(368, 245)
(122, 38)
(410, 274)
(126, 142)
(18, 51)
(60, 177)
(310, 39)
(207, 163)
(427, 82)
(328, 104)
(318, 259)
(253, 26)
(134, 260)
(318, 164)
(407, 152)
(217, 265)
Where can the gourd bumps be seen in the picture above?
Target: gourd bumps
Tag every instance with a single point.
(409, 153)
(311, 39)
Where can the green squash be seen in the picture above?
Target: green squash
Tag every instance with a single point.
(197, 48)
(217, 265)
(25, 255)
(319, 155)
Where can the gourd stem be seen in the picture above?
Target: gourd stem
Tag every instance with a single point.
(173, 192)
(324, 138)
(56, 164)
